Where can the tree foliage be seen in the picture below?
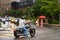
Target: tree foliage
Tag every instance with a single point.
(49, 8)
(15, 13)
(46, 7)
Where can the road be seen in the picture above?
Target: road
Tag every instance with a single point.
(41, 34)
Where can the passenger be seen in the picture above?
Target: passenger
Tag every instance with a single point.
(37, 23)
(13, 25)
(7, 22)
(3, 23)
(0, 21)
(22, 23)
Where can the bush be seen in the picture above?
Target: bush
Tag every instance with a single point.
(54, 21)
(15, 13)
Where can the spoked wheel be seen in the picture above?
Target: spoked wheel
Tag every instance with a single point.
(32, 32)
(16, 34)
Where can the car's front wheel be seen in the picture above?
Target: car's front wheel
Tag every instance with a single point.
(32, 32)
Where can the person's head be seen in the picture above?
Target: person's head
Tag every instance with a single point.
(22, 18)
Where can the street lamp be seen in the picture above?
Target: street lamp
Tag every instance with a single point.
(59, 10)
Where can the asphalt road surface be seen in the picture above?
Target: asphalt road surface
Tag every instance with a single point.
(45, 33)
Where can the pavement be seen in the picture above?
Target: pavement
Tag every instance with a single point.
(45, 33)
(6, 33)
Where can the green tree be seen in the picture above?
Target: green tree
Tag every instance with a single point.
(28, 12)
(15, 13)
(46, 7)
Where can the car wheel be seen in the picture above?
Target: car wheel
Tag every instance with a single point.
(16, 34)
(32, 32)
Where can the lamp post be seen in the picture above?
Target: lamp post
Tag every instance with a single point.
(7, 16)
(59, 9)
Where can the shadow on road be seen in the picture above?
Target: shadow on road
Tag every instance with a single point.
(22, 38)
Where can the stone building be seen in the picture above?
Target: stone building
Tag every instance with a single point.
(6, 4)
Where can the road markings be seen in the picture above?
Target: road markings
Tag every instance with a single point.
(6, 35)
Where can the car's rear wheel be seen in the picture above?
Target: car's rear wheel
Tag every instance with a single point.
(16, 34)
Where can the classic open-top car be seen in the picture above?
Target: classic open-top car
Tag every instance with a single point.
(19, 32)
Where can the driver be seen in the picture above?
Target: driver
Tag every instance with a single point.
(22, 23)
